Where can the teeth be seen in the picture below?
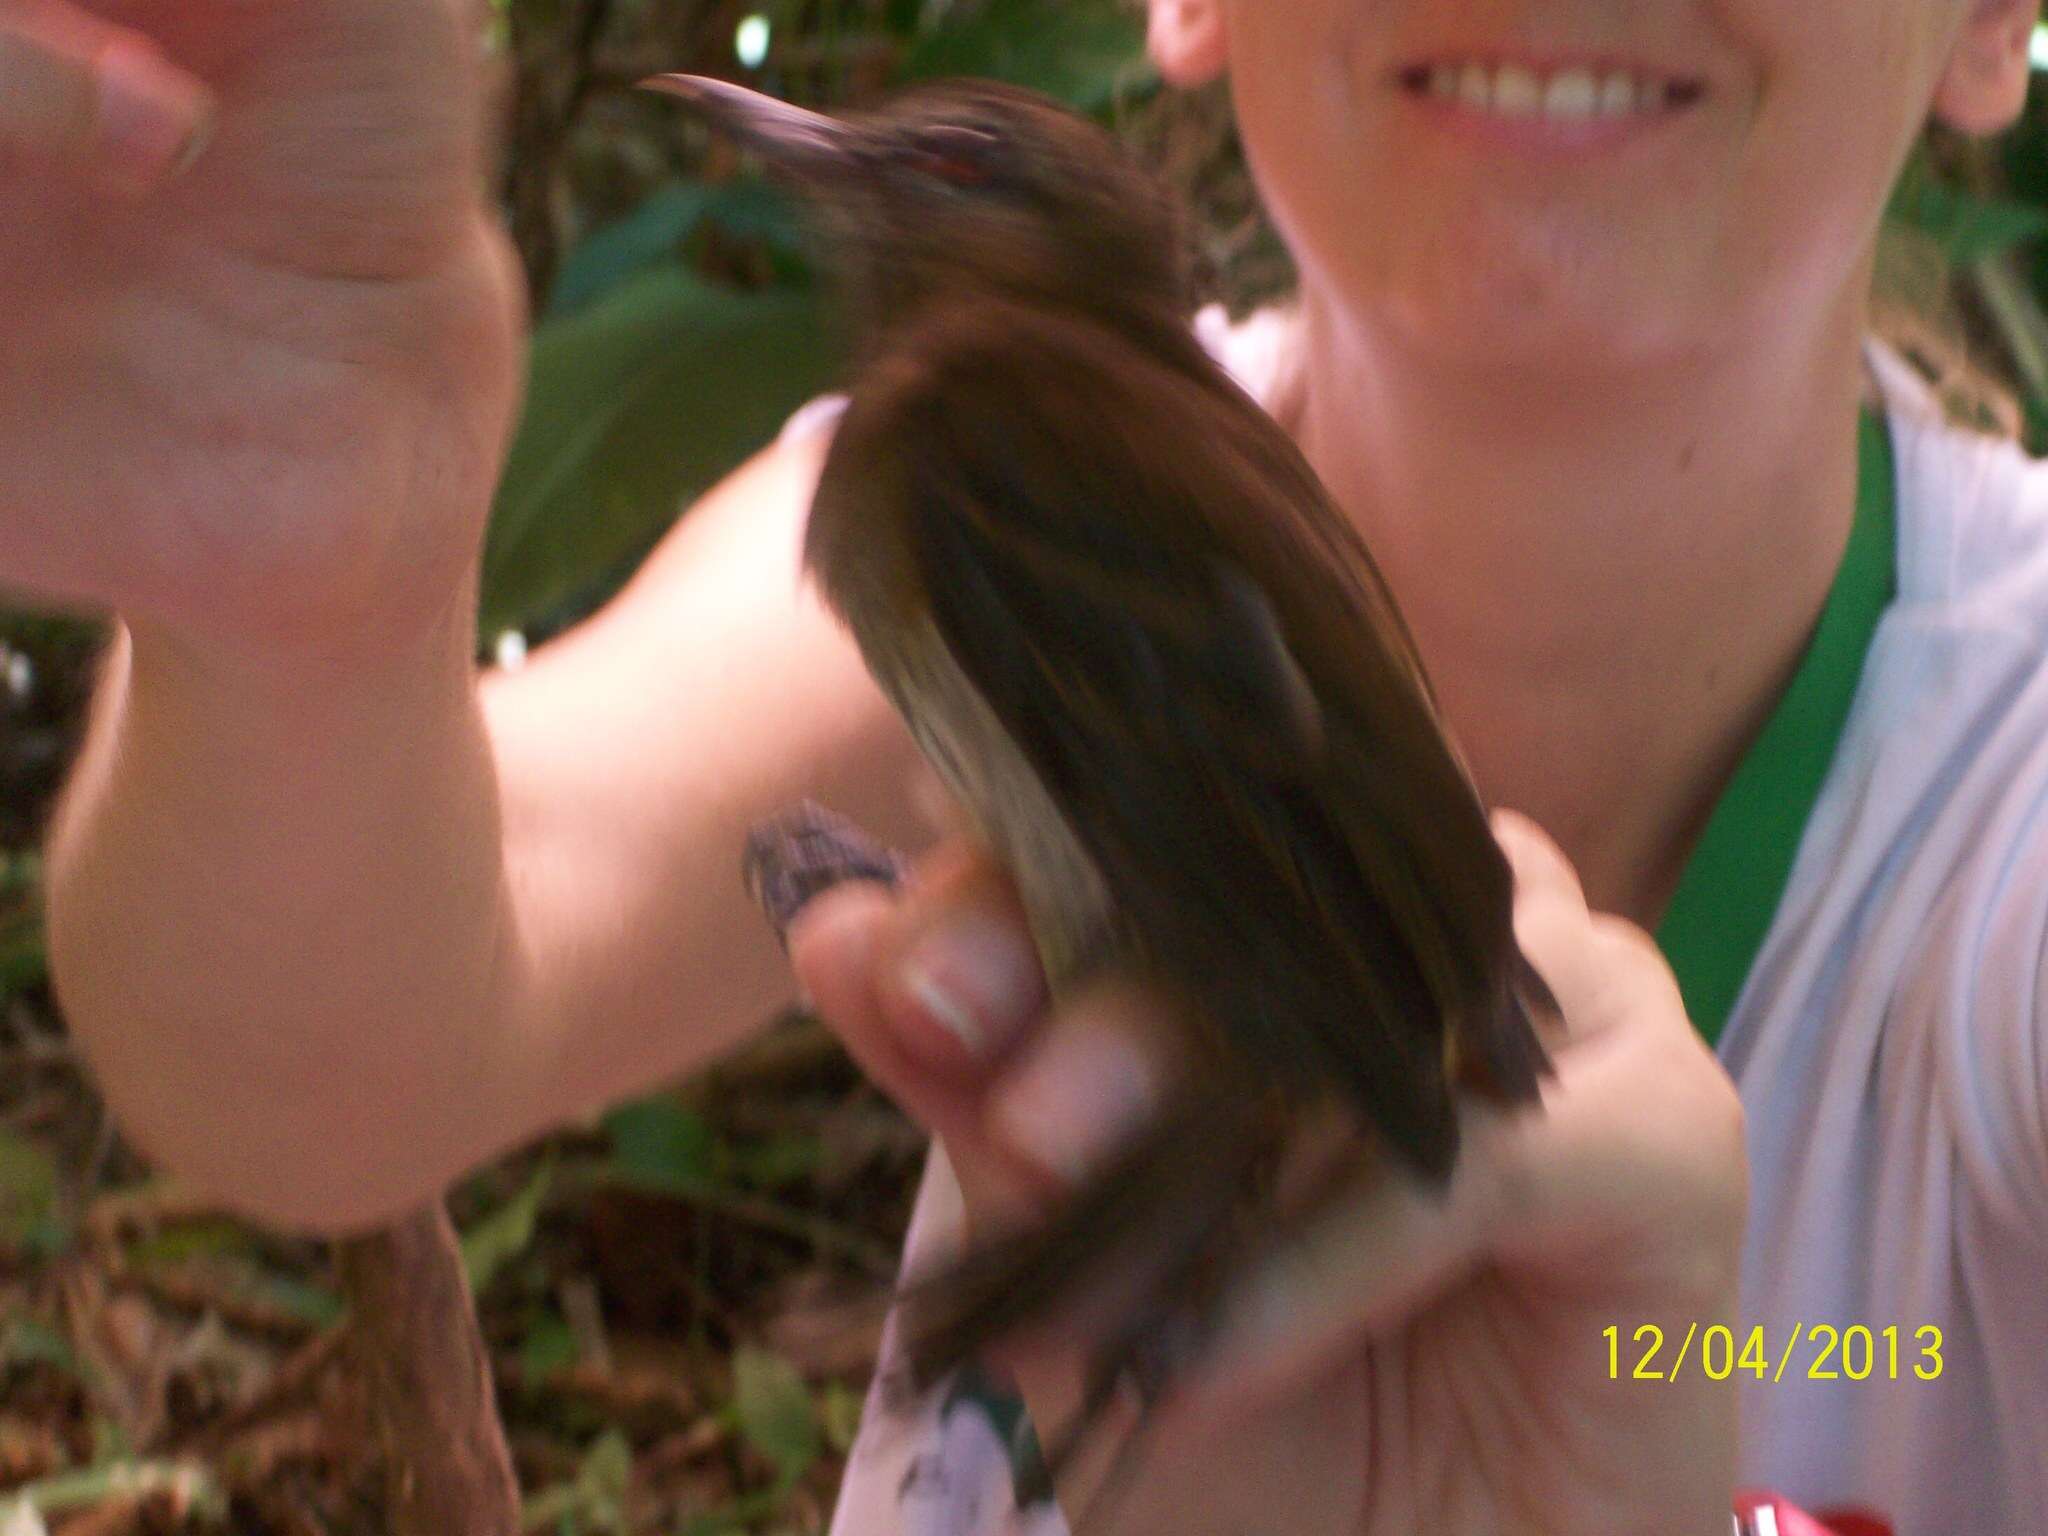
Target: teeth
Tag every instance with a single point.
(1517, 92)
(1475, 86)
(1573, 95)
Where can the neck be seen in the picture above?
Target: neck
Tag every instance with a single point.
(1611, 582)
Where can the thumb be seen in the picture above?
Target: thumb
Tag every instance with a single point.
(849, 948)
(75, 89)
(1542, 872)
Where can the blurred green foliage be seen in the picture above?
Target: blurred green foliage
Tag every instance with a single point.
(680, 323)
(677, 337)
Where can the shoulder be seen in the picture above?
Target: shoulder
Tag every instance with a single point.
(1954, 695)
(1973, 514)
(1967, 734)
(1258, 350)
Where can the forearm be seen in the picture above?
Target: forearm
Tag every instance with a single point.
(331, 934)
(278, 920)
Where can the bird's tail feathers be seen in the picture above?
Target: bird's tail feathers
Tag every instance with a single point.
(1167, 1198)
(1498, 1048)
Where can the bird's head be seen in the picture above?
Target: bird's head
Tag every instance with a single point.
(966, 188)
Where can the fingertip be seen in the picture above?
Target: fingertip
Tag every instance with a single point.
(1533, 854)
(1516, 833)
(1088, 1087)
(153, 119)
(965, 983)
(833, 944)
(1507, 821)
(815, 422)
(959, 975)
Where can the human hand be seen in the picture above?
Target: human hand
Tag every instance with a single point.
(1402, 1362)
(259, 399)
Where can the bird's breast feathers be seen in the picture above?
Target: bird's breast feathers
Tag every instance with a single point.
(1065, 897)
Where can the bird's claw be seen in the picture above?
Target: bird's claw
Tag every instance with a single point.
(805, 851)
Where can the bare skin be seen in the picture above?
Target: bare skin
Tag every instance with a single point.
(1493, 344)
(1404, 1362)
(1651, 356)
(257, 411)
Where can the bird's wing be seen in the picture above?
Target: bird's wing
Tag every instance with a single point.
(1255, 813)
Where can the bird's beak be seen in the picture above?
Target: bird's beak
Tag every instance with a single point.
(804, 143)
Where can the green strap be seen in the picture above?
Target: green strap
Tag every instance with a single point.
(1736, 875)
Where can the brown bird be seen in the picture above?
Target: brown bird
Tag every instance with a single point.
(1163, 676)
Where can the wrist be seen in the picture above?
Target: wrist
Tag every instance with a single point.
(377, 660)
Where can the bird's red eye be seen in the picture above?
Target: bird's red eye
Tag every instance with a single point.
(957, 169)
(953, 153)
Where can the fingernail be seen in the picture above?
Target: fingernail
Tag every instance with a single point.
(152, 121)
(1084, 1096)
(814, 417)
(979, 980)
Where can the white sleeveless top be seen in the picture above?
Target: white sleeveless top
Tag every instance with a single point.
(1890, 1047)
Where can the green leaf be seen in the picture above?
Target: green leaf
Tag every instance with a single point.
(47, 1238)
(1968, 229)
(551, 1509)
(20, 873)
(775, 1162)
(595, 1500)
(549, 1346)
(109, 1441)
(840, 1411)
(657, 1144)
(634, 406)
(606, 1468)
(649, 236)
(192, 1240)
(504, 1234)
(29, 1342)
(755, 211)
(1082, 52)
(28, 1186)
(22, 959)
(309, 1303)
(24, 962)
(731, 1519)
(110, 1474)
(747, 209)
(775, 1412)
(234, 1260)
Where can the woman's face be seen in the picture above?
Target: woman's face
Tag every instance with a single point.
(1619, 182)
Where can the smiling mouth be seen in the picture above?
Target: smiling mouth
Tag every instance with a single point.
(1569, 94)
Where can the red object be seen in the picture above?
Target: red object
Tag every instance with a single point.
(1794, 1521)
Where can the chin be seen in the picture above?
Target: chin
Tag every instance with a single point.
(1551, 302)
(1495, 322)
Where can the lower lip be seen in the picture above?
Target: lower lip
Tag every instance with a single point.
(1539, 135)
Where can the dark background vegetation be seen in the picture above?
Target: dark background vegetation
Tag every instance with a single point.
(651, 1284)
